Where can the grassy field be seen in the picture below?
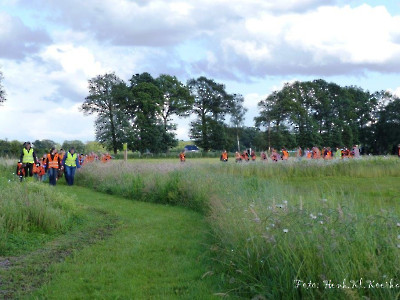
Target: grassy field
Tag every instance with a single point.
(278, 225)
(287, 230)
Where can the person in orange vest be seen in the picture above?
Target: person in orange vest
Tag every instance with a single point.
(285, 154)
(238, 157)
(316, 153)
(20, 171)
(53, 165)
(245, 156)
(224, 156)
(60, 171)
(308, 153)
(28, 159)
(182, 156)
(253, 155)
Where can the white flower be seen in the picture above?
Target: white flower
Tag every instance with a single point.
(398, 236)
(321, 222)
(285, 230)
(285, 202)
(324, 200)
(398, 224)
(320, 214)
(313, 217)
(272, 225)
(398, 246)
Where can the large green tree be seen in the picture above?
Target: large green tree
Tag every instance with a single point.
(211, 104)
(112, 126)
(318, 113)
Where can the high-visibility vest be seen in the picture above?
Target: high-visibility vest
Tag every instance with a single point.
(71, 159)
(53, 163)
(28, 156)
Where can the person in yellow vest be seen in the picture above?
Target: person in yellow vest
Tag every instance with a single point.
(28, 159)
(53, 165)
(70, 163)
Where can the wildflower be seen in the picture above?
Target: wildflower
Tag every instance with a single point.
(313, 217)
(279, 205)
(398, 246)
(285, 202)
(321, 222)
(398, 237)
(324, 200)
(398, 224)
(272, 225)
(285, 230)
(320, 214)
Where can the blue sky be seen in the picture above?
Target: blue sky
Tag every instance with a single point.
(49, 49)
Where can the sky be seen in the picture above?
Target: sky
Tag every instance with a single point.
(50, 49)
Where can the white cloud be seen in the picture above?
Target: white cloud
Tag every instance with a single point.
(18, 40)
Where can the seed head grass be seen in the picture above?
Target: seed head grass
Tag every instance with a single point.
(275, 223)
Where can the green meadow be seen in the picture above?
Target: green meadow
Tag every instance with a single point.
(160, 229)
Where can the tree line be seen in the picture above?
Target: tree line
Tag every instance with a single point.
(41, 147)
(305, 114)
(140, 112)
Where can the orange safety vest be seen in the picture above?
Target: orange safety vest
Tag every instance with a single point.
(182, 157)
(285, 155)
(224, 155)
(53, 163)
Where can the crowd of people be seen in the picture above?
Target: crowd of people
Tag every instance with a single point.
(54, 164)
(313, 153)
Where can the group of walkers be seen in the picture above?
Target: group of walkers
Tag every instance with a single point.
(313, 153)
(53, 164)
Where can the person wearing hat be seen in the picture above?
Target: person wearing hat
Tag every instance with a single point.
(28, 158)
(70, 163)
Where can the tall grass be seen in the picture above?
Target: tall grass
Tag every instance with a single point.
(277, 226)
(30, 208)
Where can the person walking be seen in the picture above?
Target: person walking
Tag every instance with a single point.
(28, 158)
(53, 165)
(70, 163)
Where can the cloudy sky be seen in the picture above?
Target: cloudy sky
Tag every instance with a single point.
(49, 49)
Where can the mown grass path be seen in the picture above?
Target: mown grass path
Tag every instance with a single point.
(155, 252)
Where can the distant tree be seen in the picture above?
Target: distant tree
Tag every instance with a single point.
(2, 91)
(78, 145)
(112, 126)
(211, 104)
(42, 147)
(94, 146)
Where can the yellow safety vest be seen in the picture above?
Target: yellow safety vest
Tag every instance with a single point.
(70, 161)
(28, 156)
